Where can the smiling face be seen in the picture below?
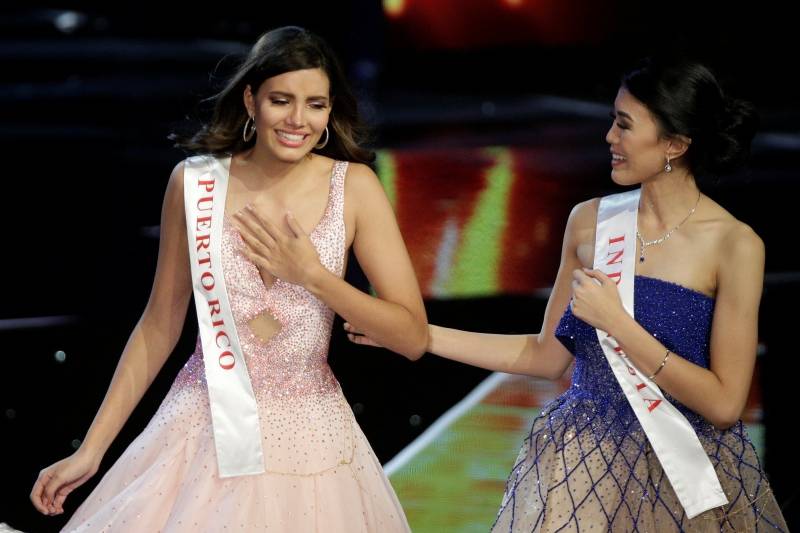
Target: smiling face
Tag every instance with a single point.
(291, 111)
(638, 152)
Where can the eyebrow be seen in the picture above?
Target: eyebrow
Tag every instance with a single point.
(623, 114)
(290, 95)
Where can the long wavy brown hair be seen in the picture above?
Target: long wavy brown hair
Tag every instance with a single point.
(278, 51)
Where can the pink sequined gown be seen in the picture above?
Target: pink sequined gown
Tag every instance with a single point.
(321, 474)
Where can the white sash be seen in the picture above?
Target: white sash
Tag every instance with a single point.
(234, 412)
(672, 437)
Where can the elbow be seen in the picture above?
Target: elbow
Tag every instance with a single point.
(725, 418)
(418, 344)
(553, 373)
(415, 355)
(724, 423)
(545, 362)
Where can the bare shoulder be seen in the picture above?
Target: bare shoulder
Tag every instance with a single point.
(361, 174)
(736, 240)
(176, 176)
(582, 221)
(174, 191)
(585, 212)
(740, 266)
(740, 242)
(362, 183)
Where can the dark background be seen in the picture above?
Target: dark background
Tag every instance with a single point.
(88, 96)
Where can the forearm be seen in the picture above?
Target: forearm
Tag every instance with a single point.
(696, 387)
(513, 354)
(390, 324)
(143, 357)
(500, 353)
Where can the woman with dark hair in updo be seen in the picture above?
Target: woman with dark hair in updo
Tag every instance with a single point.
(656, 300)
(255, 434)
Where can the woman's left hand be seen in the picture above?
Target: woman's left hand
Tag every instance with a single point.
(290, 257)
(595, 299)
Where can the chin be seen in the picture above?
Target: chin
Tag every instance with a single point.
(623, 179)
(290, 156)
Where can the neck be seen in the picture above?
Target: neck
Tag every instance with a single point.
(667, 198)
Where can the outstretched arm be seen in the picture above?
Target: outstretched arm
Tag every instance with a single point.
(151, 342)
(540, 354)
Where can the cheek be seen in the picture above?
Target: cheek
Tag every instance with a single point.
(650, 161)
(270, 114)
(642, 153)
(320, 119)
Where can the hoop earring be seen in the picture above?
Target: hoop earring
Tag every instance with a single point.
(327, 138)
(249, 129)
(667, 167)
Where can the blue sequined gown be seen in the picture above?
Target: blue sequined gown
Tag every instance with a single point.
(586, 464)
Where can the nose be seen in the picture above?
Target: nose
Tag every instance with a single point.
(611, 134)
(296, 116)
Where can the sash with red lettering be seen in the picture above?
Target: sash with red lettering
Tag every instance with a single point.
(671, 436)
(234, 412)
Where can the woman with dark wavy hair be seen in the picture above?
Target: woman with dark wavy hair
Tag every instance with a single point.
(255, 434)
(656, 301)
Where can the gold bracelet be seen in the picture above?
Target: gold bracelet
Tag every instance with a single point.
(664, 362)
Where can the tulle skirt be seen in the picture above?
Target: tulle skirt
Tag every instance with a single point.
(321, 474)
(582, 470)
